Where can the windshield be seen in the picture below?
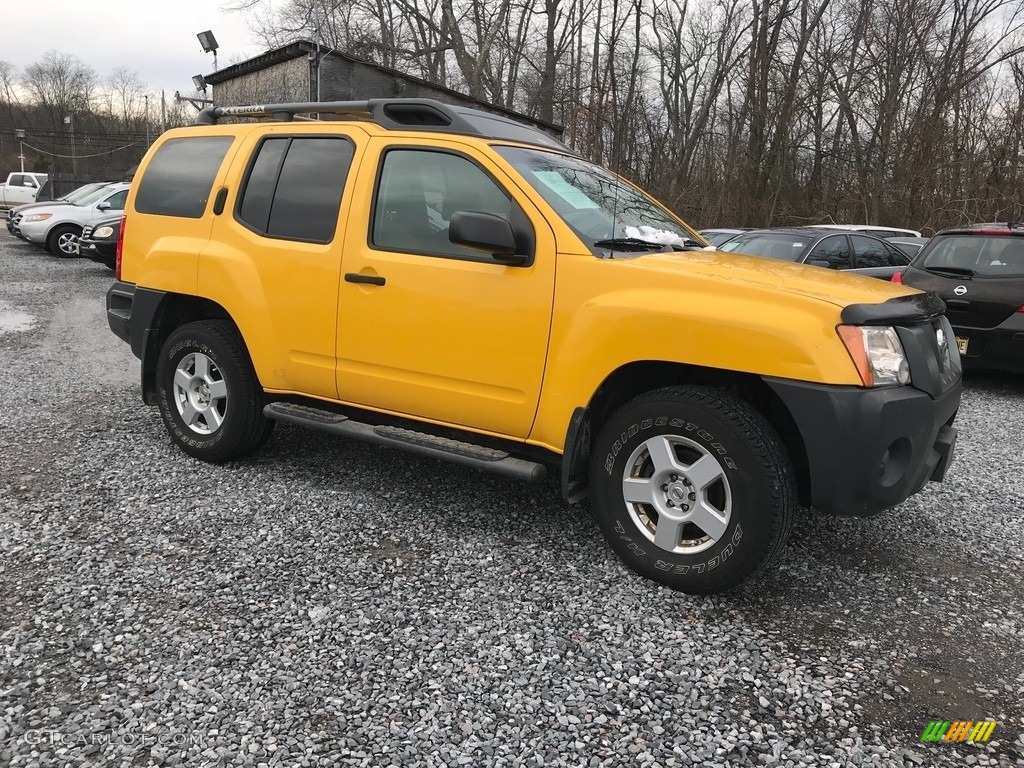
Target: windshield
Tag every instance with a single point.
(595, 203)
(983, 255)
(785, 247)
(84, 191)
(94, 195)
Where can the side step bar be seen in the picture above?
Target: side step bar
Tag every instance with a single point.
(467, 454)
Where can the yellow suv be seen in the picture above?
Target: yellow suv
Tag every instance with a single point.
(453, 283)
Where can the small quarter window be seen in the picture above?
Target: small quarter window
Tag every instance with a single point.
(178, 179)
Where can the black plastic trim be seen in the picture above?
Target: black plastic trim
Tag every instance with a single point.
(574, 474)
(354, 277)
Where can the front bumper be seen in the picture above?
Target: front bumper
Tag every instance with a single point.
(103, 251)
(870, 449)
(34, 231)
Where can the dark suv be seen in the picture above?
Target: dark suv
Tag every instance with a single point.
(979, 272)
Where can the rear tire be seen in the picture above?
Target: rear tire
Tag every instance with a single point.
(692, 488)
(208, 394)
(63, 241)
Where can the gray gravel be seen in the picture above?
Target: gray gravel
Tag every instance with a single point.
(327, 603)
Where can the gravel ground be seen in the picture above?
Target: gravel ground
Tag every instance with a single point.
(326, 602)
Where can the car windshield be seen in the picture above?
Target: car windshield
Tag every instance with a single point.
(771, 245)
(94, 195)
(983, 255)
(716, 238)
(82, 192)
(599, 206)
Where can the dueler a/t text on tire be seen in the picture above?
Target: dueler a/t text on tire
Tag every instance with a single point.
(209, 397)
(693, 488)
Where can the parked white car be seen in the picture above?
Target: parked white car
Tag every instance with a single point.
(58, 227)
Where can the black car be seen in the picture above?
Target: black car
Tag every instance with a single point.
(979, 272)
(835, 249)
(99, 240)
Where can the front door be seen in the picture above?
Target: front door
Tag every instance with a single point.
(434, 330)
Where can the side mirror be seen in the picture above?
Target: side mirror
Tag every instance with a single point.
(486, 232)
(102, 206)
(819, 263)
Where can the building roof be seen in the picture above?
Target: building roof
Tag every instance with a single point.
(298, 48)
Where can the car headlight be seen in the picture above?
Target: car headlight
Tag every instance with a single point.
(878, 354)
(37, 217)
(103, 232)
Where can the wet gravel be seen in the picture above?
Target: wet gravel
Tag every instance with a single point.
(329, 603)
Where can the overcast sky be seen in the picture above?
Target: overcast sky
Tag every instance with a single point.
(156, 38)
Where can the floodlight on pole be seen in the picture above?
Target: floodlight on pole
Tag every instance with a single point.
(209, 45)
(200, 82)
(20, 133)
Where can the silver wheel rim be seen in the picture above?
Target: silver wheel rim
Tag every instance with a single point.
(200, 394)
(677, 494)
(66, 243)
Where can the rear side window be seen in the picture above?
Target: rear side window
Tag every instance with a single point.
(180, 176)
(294, 187)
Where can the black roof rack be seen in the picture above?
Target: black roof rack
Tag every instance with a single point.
(398, 114)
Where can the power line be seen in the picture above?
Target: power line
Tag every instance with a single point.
(82, 157)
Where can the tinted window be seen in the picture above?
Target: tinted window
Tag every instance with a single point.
(773, 245)
(294, 188)
(417, 194)
(835, 250)
(869, 252)
(18, 180)
(180, 176)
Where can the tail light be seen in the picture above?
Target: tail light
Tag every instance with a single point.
(1021, 308)
(120, 250)
(897, 277)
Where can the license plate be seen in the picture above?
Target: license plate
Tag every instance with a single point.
(961, 344)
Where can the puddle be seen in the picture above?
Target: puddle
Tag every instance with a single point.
(14, 320)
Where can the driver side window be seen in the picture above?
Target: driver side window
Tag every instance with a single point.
(835, 250)
(417, 194)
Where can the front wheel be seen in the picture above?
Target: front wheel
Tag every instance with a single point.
(692, 488)
(209, 397)
(63, 241)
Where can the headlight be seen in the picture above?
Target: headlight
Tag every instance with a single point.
(103, 232)
(877, 353)
(37, 217)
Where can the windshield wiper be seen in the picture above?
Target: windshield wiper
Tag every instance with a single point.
(955, 271)
(629, 244)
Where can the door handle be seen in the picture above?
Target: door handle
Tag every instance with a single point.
(354, 277)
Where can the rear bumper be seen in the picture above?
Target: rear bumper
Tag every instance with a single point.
(1000, 348)
(870, 449)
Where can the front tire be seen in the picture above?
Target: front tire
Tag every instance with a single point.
(208, 394)
(63, 241)
(692, 488)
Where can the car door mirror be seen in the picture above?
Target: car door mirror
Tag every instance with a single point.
(819, 263)
(486, 232)
(102, 206)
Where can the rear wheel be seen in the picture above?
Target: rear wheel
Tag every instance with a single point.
(63, 241)
(209, 398)
(693, 488)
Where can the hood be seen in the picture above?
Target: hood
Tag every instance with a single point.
(828, 285)
(40, 204)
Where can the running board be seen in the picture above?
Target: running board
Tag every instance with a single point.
(466, 454)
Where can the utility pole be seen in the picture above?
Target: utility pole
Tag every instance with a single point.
(70, 121)
(146, 97)
(21, 146)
